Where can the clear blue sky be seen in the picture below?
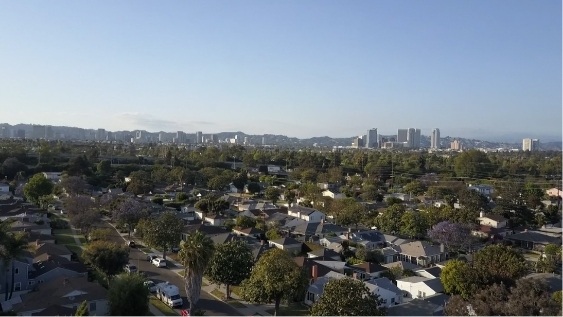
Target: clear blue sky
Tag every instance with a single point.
(300, 68)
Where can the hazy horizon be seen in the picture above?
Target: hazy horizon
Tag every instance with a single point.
(473, 69)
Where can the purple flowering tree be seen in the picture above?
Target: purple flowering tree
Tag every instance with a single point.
(453, 235)
(129, 212)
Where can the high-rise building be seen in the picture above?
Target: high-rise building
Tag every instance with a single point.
(413, 138)
(416, 144)
(456, 145)
(20, 134)
(180, 137)
(371, 139)
(357, 142)
(214, 138)
(530, 144)
(49, 134)
(37, 132)
(101, 135)
(198, 137)
(402, 135)
(5, 133)
(435, 139)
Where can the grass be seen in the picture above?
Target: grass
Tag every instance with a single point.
(164, 309)
(76, 249)
(217, 293)
(65, 236)
(235, 290)
(294, 309)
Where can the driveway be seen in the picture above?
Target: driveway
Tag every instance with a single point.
(207, 302)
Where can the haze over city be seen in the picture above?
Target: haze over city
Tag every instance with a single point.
(471, 68)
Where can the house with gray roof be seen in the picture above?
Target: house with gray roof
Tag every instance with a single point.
(65, 292)
(368, 270)
(55, 267)
(387, 291)
(416, 307)
(324, 254)
(533, 240)
(402, 265)
(306, 213)
(287, 244)
(421, 253)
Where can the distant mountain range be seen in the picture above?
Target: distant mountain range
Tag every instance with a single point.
(73, 133)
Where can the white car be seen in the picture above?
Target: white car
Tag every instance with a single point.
(151, 286)
(159, 262)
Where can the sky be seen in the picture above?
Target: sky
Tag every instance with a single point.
(472, 68)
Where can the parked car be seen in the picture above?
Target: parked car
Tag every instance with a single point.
(151, 256)
(159, 262)
(175, 249)
(130, 243)
(130, 268)
(151, 286)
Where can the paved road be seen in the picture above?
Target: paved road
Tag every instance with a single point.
(207, 302)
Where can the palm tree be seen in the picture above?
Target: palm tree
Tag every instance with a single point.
(195, 254)
(12, 245)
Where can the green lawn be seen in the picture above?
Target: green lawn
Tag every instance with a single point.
(294, 309)
(235, 290)
(76, 249)
(64, 236)
(164, 309)
(218, 293)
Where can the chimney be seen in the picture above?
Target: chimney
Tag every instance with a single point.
(315, 272)
(481, 214)
(442, 248)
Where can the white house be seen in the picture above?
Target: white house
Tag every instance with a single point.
(482, 189)
(333, 194)
(274, 169)
(216, 219)
(4, 188)
(305, 213)
(287, 244)
(387, 291)
(420, 287)
(494, 221)
(54, 177)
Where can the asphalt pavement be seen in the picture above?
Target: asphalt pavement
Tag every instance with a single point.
(208, 303)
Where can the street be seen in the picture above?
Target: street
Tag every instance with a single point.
(207, 302)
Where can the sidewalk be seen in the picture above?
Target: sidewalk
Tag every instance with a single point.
(208, 287)
(153, 310)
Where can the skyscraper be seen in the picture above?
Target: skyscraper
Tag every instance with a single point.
(530, 144)
(402, 135)
(435, 139)
(198, 137)
(371, 139)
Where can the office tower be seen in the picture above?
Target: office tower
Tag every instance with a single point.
(49, 134)
(180, 137)
(109, 136)
(435, 139)
(263, 140)
(214, 138)
(371, 139)
(5, 133)
(357, 142)
(410, 137)
(37, 132)
(101, 135)
(245, 140)
(402, 135)
(530, 144)
(198, 137)
(456, 145)
(416, 139)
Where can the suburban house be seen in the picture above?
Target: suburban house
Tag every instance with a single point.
(421, 253)
(554, 192)
(419, 307)
(4, 188)
(494, 221)
(482, 189)
(54, 267)
(333, 194)
(205, 229)
(19, 225)
(248, 232)
(368, 270)
(54, 177)
(305, 213)
(389, 255)
(65, 292)
(402, 265)
(394, 241)
(215, 219)
(375, 237)
(329, 186)
(287, 244)
(534, 240)
(324, 254)
(420, 287)
(44, 250)
(316, 289)
(431, 272)
(387, 291)
(319, 229)
(21, 278)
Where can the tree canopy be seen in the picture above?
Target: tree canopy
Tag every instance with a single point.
(128, 296)
(231, 264)
(37, 186)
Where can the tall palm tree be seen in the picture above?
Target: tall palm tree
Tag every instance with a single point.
(195, 254)
(14, 246)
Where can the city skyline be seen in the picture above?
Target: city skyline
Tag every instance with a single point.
(471, 68)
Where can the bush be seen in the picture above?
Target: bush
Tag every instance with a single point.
(59, 223)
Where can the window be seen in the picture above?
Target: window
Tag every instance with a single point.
(393, 300)
(92, 306)
(18, 287)
(16, 271)
(310, 297)
(30, 282)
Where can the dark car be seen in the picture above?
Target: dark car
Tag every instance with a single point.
(151, 256)
(130, 243)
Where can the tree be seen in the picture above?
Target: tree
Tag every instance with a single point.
(275, 276)
(37, 186)
(472, 163)
(454, 236)
(100, 234)
(104, 167)
(82, 310)
(289, 196)
(12, 246)
(458, 278)
(239, 181)
(498, 263)
(245, 222)
(389, 220)
(347, 211)
(253, 187)
(73, 185)
(164, 232)
(141, 183)
(180, 174)
(370, 193)
(108, 257)
(532, 297)
(414, 188)
(273, 194)
(231, 264)
(273, 234)
(11, 167)
(195, 254)
(129, 212)
(473, 201)
(128, 296)
(413, 224)
(347, 297)
(85, 219)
